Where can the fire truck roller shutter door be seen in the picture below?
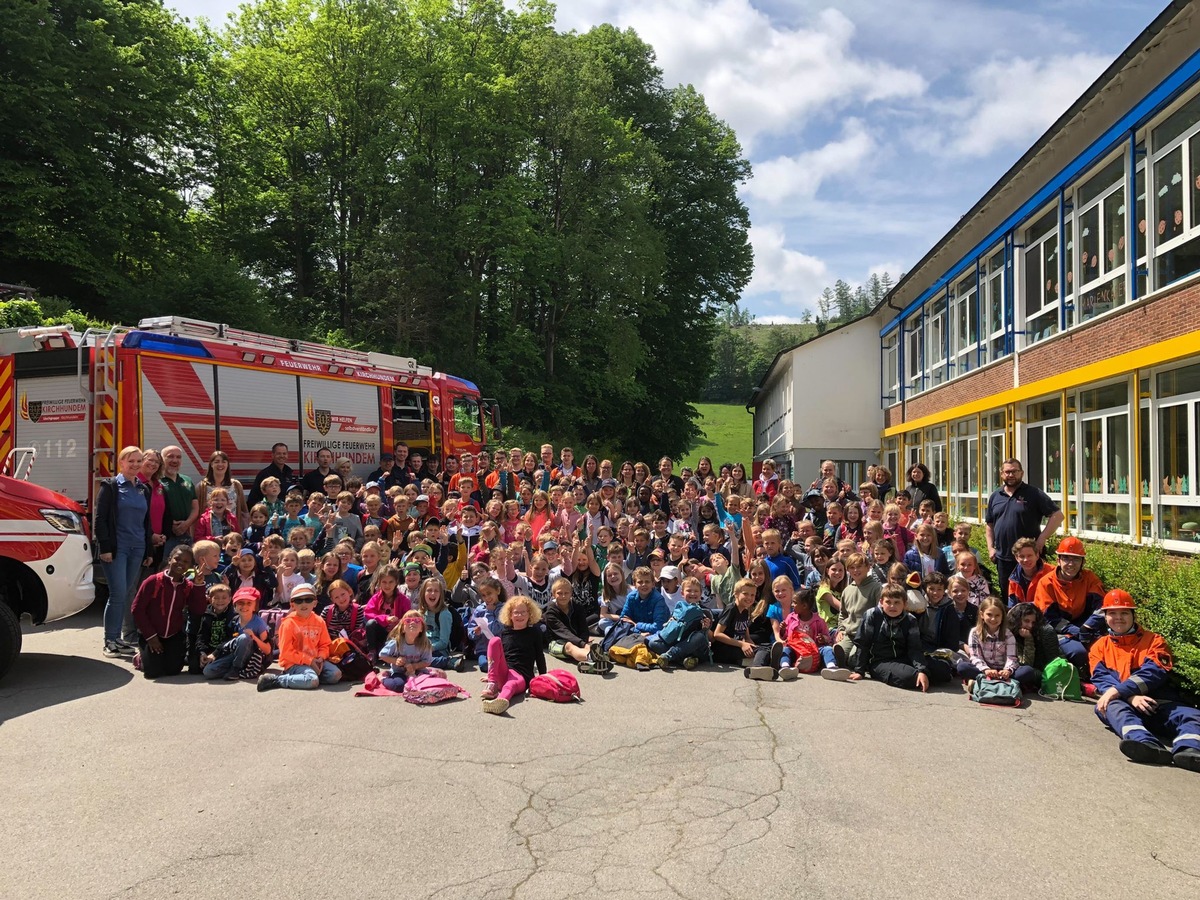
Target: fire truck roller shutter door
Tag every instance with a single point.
(257, 409)
(52, 415)
(178, 407)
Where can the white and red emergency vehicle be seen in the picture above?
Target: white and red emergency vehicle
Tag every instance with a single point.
(45, 554)
(79, 398)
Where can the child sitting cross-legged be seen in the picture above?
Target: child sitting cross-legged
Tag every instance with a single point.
(889, 644)
(303, 647)
(407, 650)
(686, 636)
(803, 620)
(991, 646)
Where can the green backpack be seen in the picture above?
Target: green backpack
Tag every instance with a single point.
(1060, 681)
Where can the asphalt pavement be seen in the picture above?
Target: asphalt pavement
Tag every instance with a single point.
(660, 784)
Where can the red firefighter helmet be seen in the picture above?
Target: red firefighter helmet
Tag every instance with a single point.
(1118, 599)
(1070, 546)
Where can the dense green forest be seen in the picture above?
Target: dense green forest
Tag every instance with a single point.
(449, 179)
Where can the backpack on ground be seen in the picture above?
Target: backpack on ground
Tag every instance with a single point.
(426, 688)
(806, 655)
(632, 655)
(1060, 681)
(995, 692)
(557, 686)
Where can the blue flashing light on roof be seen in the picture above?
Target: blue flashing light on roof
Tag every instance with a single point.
(463, 381)
(165, 343)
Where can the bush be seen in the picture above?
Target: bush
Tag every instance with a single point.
(1165, 586)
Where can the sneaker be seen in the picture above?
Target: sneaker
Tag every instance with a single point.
(1088, 689)
(968, 685)
(663, 663)
(129, 647)
(267, 682)
(113, 650)
(1187, 758)
(460, 663)
(691, 662)
(760, 673)
(835, 673)
(787, 673)
(1148, 754)
(776, 654)
(495, 706)
(596, 653)
(642, 667)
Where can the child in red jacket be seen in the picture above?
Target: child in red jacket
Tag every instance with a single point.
(160, 611)
(1130, 667)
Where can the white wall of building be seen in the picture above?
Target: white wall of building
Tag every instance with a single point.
(822, 400)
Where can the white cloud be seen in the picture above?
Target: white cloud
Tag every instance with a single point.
(1012, 101)
(760, 76)
(786, 179)
(795, 277)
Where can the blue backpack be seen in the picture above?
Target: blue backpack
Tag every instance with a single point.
(685, 618)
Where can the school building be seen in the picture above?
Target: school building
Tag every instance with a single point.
(1058, 322)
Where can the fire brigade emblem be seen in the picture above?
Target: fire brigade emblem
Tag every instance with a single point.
(324, 419)
(35, 410)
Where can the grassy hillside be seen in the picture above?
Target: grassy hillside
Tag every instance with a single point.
(728, 435)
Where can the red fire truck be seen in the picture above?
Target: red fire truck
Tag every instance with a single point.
(79, 398)
(45, 555)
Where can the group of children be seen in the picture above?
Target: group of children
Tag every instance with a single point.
(495, 567)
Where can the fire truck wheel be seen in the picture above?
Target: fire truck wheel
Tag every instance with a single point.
(10, 636)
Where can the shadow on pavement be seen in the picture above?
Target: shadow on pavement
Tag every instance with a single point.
(41, 680)
(91, 617)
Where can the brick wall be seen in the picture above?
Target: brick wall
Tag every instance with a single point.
(1166, 316)
(975, 386)
(1163, 317)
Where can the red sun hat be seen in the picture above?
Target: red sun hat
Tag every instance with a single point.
(1118, 599)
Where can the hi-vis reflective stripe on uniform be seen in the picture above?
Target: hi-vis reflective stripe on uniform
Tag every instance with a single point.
(1185, 737)
(1128, 728)
(7, 421)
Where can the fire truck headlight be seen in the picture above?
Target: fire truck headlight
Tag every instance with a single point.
(64, 520)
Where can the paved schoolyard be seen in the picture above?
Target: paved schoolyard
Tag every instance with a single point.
(689, 784)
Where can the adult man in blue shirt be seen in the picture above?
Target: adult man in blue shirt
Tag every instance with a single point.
(1015, 511)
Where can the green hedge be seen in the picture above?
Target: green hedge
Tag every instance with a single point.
(1165, 586)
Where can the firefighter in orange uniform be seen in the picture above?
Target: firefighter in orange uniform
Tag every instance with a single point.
(1068, 597)
(1130, 669)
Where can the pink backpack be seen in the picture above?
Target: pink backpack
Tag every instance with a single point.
(425, 688)
(557, 685)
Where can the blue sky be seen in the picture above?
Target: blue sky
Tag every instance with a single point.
(872, 126)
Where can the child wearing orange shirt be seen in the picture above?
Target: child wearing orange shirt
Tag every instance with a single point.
(303, 647)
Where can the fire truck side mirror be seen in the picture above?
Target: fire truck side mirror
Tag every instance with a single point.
(496, 427)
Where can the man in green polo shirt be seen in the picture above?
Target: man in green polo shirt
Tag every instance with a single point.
(182, 506)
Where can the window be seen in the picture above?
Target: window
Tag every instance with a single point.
(1104, 453)
(891, 368)
(912, 454)
(994, 307)
(994, 452)
(1140, 237)
(964, 325)
(935, 455)
(1043, 446)
(935, 345)
(412, 419)
(964, 470)
(1178, 433)
(466, 418)
(1100, 224)
(914, 354)
(891, 455)
(1176, 145)
(1041, 278)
